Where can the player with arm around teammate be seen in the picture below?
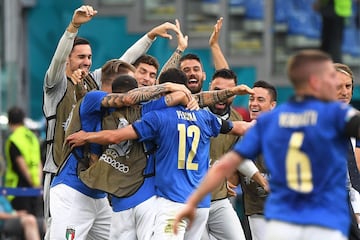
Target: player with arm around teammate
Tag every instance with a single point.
(286, 136)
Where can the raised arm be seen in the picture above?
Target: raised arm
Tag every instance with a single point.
(207, 98)
(142, 94)
(217, 54)
(173, 61)
(144, 43)
(56, 71)
(140, 47)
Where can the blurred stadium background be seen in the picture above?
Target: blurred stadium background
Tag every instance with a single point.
(257, 38)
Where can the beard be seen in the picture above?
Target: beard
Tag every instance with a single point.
(195, 89)
(220, 111)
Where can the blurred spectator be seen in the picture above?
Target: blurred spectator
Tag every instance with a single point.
(23, 162)
(12, 221)
(333, 13)
(244, 113)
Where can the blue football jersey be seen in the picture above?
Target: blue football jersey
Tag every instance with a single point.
(304, 148)
(182, 157)
(147, 190)
(91, 113)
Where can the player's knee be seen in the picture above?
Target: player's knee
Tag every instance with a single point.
(29, 220)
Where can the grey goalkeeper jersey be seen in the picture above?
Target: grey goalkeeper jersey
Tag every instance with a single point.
(56, 85)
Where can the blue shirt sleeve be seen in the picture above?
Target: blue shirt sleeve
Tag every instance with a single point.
(147, 127)
(92, 103)
(250, 145)
(215, 124)
(153, 105)
(91, 114)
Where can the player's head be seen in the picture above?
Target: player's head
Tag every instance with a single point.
(173, 75)
(123, 84)
(191, 65)
(146, 70)
(80, 56)
(16, 116)
(111, 70)
(346, 85)
(263, 100)
(223, 79)
(312, 72)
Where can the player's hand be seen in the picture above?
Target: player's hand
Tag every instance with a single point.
(265, 185)
(182, 40)
(188, 212)
(248, 125)
(162, 31)
(231, 189)
(173, 87)
(193, 104)
(214, 38)
(77, 76)
(83, 14)
(242, 90)
(76, 139)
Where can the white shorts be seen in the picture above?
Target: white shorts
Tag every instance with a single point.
(135, 223)
(46, 197)
(166, 211)
(277, 230)
(89, 217)
(223, 222)
(257, 225)
(355, 200)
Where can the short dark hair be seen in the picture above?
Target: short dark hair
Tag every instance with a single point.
(266, 85)
(190, 56)
(16, 115)
(147, 59)
(123, 84)
(173, 75)
(80, 41)
(225, 73)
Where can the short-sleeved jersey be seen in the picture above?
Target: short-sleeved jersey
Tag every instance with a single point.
(147, 189)
(91, 113)
(304, 148)
(182, 157)
(219, 146)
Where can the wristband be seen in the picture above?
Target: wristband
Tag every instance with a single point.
(75, 26)
(247, 168)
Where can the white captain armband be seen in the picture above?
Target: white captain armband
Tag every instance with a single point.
(226, 126)
(247, 168)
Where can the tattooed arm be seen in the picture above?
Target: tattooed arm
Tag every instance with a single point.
(173, 61)
(142, 94)
(207, 98)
